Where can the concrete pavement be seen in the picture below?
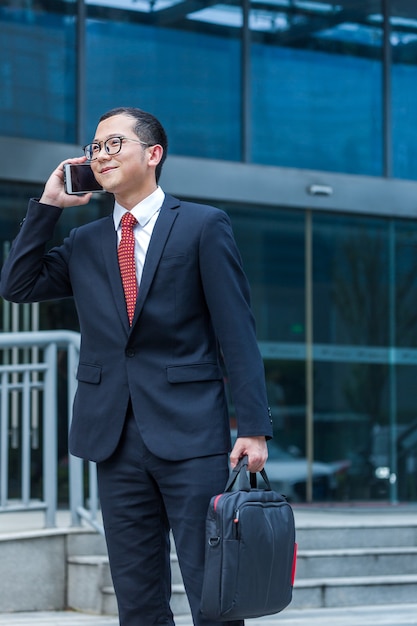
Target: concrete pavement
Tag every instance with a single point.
(384, 615)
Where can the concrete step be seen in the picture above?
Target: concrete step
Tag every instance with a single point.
(345, 562)
(77, 563)
(325, 578)
(90, 586)
(313, 593)
(358, 534)
(87, 575)
(85, 543)
(179, 602)
(354, 591)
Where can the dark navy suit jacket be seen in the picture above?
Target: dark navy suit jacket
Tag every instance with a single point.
(192, 311)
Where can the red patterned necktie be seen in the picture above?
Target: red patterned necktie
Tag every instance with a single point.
(126, 254)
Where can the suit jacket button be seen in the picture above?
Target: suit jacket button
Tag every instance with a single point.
(130, 352)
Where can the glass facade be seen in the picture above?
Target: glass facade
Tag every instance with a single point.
(364, 298)
(288, 90)
(289, 83)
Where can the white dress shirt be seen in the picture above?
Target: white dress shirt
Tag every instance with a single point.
(146, 212)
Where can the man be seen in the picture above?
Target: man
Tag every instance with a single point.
(150, 407)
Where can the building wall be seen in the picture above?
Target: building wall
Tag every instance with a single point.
(300, 123)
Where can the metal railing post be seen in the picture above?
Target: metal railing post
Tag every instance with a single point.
(50, 430)
(76, 488)
(4, 439)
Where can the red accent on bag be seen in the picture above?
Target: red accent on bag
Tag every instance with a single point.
(294, 564)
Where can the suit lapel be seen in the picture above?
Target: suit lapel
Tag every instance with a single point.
(157, 243)
(109, 247)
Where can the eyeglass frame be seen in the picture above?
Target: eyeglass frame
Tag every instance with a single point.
(100, 145)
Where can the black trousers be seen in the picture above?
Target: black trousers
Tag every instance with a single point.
(142, 498)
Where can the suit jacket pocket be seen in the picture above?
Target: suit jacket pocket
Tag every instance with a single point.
(194, 372)
(89, 373)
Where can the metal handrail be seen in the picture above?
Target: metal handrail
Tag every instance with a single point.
(28, 381)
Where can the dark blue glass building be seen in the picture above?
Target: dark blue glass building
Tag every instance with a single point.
(298, 118)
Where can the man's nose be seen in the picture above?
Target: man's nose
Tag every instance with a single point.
(102, 153)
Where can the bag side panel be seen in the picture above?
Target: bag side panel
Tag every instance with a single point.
(221, 554)
(265, 560)
(210, 599)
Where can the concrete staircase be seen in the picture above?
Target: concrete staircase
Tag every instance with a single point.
(345, 559)
(353, 561)
(362, 562)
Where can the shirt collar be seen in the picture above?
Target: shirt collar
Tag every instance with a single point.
(143, 211)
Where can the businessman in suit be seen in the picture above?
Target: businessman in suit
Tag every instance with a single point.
(150, 407)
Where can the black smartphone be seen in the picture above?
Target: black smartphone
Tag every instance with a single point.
(79, 179)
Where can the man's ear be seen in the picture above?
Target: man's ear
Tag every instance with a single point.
(155, 154)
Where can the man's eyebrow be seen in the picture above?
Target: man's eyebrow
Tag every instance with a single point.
(112, 135)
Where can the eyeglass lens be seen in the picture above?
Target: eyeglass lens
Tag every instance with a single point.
(111, 146)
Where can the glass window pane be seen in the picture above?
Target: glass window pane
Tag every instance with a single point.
(405, 435)
(351, 316)
(350, 275)
(350, 404)
(404, 93)
(405, 283)
(365, 356)
(272, 247)
(316, 69)
(37, 64)
(183, 66)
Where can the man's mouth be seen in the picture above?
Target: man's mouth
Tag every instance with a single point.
(107, 169)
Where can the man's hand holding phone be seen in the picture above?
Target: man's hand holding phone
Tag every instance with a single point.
(54, 192)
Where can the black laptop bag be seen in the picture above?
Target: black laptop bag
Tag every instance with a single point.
(250, 550)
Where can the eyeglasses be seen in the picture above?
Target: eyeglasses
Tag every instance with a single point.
(113, 145)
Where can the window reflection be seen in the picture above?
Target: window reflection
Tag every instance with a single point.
(37, 64)
(317, 90)
(404, 97)
(272, 247)
(365, 334)
(350, 273)
(172, 61)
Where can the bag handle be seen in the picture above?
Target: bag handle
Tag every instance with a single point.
(240, 472)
